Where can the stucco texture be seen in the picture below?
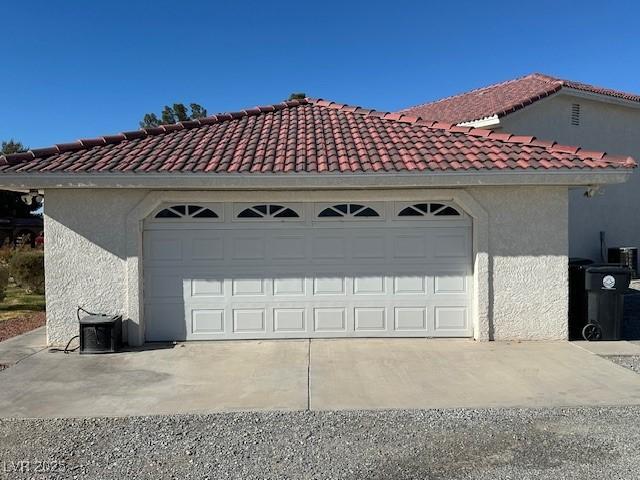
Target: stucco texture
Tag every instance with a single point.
(603, 126)
(86, 257)
(528, 287)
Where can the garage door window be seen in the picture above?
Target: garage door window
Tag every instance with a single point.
(428, 210)
(266, 212)
(347, 211)
(186, 211)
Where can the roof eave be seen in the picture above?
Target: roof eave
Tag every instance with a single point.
(307, 181)
(600, 97)
(491, 121)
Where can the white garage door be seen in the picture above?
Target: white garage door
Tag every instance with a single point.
(225, 271)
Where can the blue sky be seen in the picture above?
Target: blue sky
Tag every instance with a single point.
(74, 69)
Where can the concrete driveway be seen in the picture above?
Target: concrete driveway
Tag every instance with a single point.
(317, 375)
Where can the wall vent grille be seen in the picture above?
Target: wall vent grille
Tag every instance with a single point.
(575, 114)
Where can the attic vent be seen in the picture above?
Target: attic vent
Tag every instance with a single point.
(575, 114)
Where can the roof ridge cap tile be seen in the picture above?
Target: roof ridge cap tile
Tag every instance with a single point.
(477, 90)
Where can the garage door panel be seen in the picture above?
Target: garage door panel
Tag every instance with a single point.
(165, 322)
(207, 287)
(207, 248)
(330, 319)
(164, 285)
(410, 246)
(164, 249)
(308, 279)
(208, 321)
(329, 247)
(368, 247)
(290, 285)
(409, 284)
(368, 319)
(450, 282)
(249, 247)
(329, 285)
(410, 318)
(247, 320)
(248, 286)
(369, 285)
(450, 246)
(290, 320)
(450, 321)
(287, 247)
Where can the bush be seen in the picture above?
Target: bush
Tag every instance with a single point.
(4, 282)
(6, 252)
(27, 269)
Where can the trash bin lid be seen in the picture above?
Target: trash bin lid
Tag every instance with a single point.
(579, 261)
(610, 268)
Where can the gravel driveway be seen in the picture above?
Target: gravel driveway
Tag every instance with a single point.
(632, 362)
(435, 444)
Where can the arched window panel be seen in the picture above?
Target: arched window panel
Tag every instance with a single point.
(186, 212)
(417, 210)
(447, 212)
(429, 210)
(268, 211)
(348, 210)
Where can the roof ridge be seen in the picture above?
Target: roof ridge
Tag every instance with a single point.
(479, 89)
(503, 98)
(87, 143)
(549, 145)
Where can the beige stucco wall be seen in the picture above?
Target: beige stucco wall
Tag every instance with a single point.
(603, 126)
(527, 261)
(86, 257)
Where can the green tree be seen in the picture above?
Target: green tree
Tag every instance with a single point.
(297, 96)
(11, 146)
(174, 114)
(11, 205)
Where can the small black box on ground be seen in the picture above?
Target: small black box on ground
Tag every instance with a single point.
(100, 333)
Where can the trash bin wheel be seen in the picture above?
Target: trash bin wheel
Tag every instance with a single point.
(591, 332)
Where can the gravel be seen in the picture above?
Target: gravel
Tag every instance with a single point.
(584, 443)
(16, 326)
(632, 362)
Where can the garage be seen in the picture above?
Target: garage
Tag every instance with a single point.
(310, 219)
(307, 270)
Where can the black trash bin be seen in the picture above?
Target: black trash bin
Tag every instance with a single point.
(577, 296)
(606, 285)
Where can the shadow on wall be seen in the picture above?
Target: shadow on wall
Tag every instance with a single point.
(631, 325)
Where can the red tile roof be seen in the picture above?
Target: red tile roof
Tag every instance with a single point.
(307, 135)
(503, 98)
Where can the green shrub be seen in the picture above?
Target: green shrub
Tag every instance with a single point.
(4, 282)
(6, 252)
(27, 269)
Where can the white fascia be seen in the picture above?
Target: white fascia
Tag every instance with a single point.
(311, 181)
(599, 97)
(487, 122)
